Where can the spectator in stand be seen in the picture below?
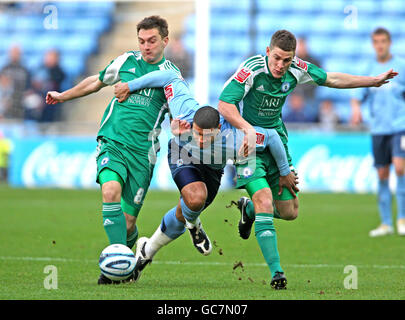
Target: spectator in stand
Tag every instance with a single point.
(33, 101)
(328, 117)
(302, 52)
(20, 81)
(176, 53)
(297, 109)
(50, 77)
(5, 95)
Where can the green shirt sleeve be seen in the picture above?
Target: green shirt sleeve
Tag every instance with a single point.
(110, 75)
(237, 86)
(306, 72)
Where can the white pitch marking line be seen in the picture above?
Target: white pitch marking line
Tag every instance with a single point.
(207, 263)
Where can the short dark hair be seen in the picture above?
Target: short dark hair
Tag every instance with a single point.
(284, 40)
(206, 118)
(381, 30)
(154, 22)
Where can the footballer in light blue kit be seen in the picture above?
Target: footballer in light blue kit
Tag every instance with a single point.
(387, 126)
(202, 145)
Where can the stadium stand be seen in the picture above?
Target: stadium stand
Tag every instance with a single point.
(79, 27)
(337, 33)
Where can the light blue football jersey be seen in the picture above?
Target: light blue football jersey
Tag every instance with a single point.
(387, 103)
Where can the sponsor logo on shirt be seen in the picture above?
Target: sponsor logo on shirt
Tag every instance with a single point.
(301, 64)
(259, 138)
(169, 92)
(242, 75)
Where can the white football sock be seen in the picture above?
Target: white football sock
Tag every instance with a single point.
(156, 241)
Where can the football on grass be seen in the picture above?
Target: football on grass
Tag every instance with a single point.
(117, 262)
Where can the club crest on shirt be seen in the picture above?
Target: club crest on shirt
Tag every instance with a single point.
(285, 86)
(179, 162)
(105, 161)
(247, 172)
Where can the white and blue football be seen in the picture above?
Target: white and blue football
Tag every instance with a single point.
(117, 262)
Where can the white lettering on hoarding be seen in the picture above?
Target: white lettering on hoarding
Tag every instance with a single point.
(47, 166)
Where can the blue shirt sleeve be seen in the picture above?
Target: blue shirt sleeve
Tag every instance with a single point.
(154, 79)
(181, 104)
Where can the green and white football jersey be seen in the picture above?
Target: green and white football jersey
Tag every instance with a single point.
(259, 96)
(135, 122)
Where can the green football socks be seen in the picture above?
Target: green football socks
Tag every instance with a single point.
(114, 223)
(131, 238)
(250, 210)
(267, 238)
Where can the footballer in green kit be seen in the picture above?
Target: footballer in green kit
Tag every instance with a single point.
(254, 96)
(128, 134)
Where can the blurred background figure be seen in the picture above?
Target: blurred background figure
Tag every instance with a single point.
(6, 94)
(33, 101)
(49, 78)
(308, 90)
(19, 81)
(298, 109)
(387, 126)
(5, 150)
(177, 53)
(327, 117)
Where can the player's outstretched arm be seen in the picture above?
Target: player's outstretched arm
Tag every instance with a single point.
(347, 81)
(155, 79)
(85, 87)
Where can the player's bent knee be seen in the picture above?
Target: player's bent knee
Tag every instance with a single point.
(194, 196)
(196, 202)
(111, 191)
(263, 204)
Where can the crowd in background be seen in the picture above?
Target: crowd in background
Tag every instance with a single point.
(22, 92)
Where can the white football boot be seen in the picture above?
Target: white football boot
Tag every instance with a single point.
(141, 259)
(401, 227)
(382, 230)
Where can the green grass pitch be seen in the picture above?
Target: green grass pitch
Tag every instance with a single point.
(63, 228)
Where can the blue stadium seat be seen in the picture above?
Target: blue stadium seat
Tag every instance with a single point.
(334, 6)
(83, 24)
(235, 23)
(268, 23)
(28, 23)
(394, 7)
(230, 6)
(73, 64)
(5, 22)
(273, 6)
(367, 8)
(79, 43)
